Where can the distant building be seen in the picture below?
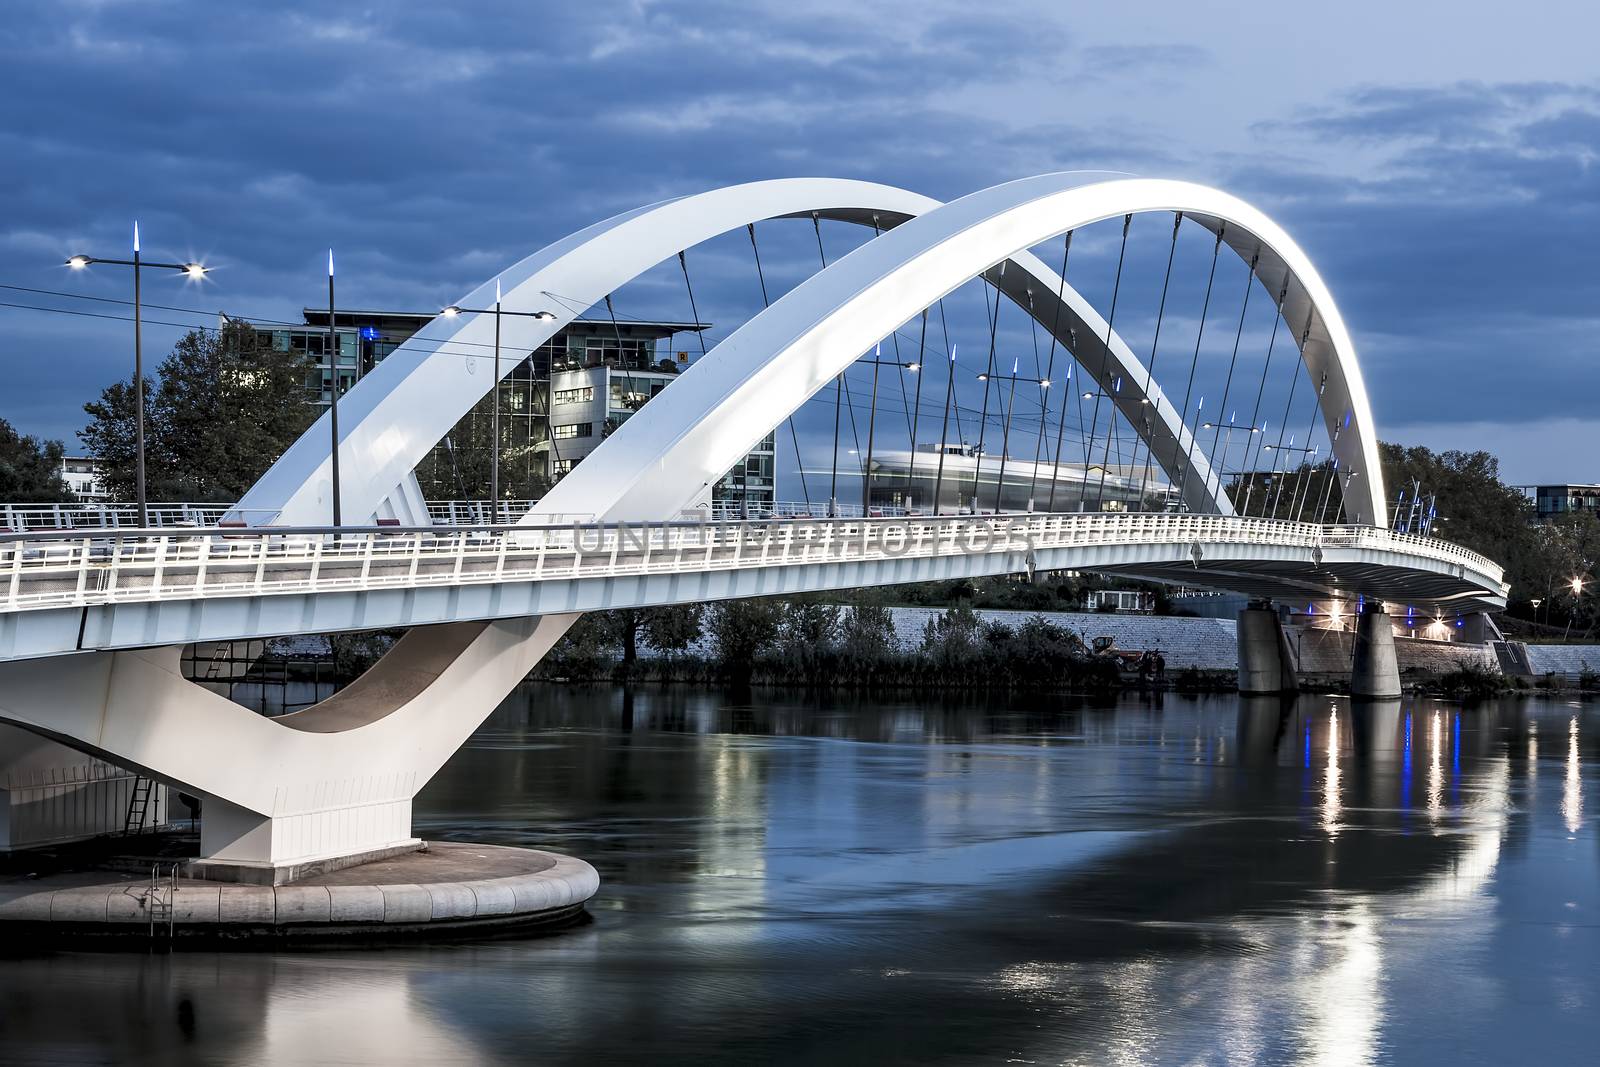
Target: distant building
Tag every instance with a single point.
(906, 480)
(556, 404)
(83, 477)
(1553, 501)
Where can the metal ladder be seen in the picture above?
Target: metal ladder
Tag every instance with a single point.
(160, 900)
(138, 805)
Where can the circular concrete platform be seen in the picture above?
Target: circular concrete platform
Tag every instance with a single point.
(448, 889)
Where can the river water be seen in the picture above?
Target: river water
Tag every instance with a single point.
(1043, 880)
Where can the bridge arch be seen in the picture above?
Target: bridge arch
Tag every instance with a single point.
(408, 402)
(761, 372)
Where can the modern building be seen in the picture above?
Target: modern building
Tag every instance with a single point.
(556, 404)
(84, 482)
(967, 480)
(1553, 501)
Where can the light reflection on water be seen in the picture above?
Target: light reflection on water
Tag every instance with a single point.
(791, 880)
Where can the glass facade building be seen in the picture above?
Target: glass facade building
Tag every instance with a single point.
(556, 404)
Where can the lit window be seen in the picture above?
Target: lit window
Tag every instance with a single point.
(574, 429)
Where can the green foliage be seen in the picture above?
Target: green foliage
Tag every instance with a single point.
(669, 629)
(739, 630)
(806, 638)
(673, 629)
(582, 654)
(225, 406)
(30, 469)
(1471, 680)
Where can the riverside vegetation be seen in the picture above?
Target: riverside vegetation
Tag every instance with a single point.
(799, 642)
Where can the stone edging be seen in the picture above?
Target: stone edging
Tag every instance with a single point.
(228, 910)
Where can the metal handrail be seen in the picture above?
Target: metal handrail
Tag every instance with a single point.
(105, 567)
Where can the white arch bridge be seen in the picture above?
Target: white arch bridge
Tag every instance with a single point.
(93, 622)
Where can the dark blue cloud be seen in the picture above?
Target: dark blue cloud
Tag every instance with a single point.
(434, 144)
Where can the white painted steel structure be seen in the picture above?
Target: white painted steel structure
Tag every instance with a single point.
(73, 594)
(338, 778)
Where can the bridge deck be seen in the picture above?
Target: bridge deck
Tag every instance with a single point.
(99, 589)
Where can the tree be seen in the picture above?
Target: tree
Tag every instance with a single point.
(673, 629)
(866, 633)
(739, 630)
(30, 469)
(225, 405)
(807, 635)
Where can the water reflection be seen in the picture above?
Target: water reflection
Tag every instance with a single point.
(797, 879)
(1572, 795)
(1330, 781)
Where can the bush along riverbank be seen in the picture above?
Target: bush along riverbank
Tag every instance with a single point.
(798, 643)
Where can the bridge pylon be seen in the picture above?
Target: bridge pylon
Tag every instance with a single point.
(1266, 660)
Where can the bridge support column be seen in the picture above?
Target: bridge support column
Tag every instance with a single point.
(1266, 662)
(240, 845)
(1374, 668)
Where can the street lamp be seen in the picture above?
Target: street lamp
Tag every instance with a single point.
(494, 424)
(192, 271)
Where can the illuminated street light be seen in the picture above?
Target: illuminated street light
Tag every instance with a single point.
(192, 271)
(494, 453)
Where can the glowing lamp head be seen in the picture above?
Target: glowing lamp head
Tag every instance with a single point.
(913, 367)
(545, 316)
(194, 271)
(983, 377)
(1577, 586)
(1044, 383)
(79, 262)
(451, 312)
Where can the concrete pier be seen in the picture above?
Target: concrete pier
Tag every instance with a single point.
(447, 890)
(1374, 667)
(1266, 662)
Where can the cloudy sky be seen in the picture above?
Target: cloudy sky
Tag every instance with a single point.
(1438, 161)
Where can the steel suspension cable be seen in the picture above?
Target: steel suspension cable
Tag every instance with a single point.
(916, 407)
(944, 430)
(1155, 345)
(1304, 482)
(794, 436)
(877, 231)
(1005, 435)
(1227, 386)
(1194, 363)
(1044, 404)
(1255, 414)
(1111, 319)
(1283, 426)
(1066, 383)
(983, 419)
(842, 392)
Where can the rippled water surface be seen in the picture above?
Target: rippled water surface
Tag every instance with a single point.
(797, 880)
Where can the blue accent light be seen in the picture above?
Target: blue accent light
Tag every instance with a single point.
(369, 333)
(1405, 768)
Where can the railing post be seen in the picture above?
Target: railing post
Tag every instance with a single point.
(159, 565)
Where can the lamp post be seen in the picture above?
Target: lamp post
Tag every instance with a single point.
(1005, 433)
(494, 425)
(872, 422)
(192, 271)
(333, 393)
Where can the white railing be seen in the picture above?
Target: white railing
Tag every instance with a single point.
(23, 518)
(57, 570)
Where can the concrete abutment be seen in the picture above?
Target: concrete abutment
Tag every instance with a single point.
(1266, 661)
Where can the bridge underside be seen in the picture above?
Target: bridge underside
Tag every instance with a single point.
(1332, 580)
